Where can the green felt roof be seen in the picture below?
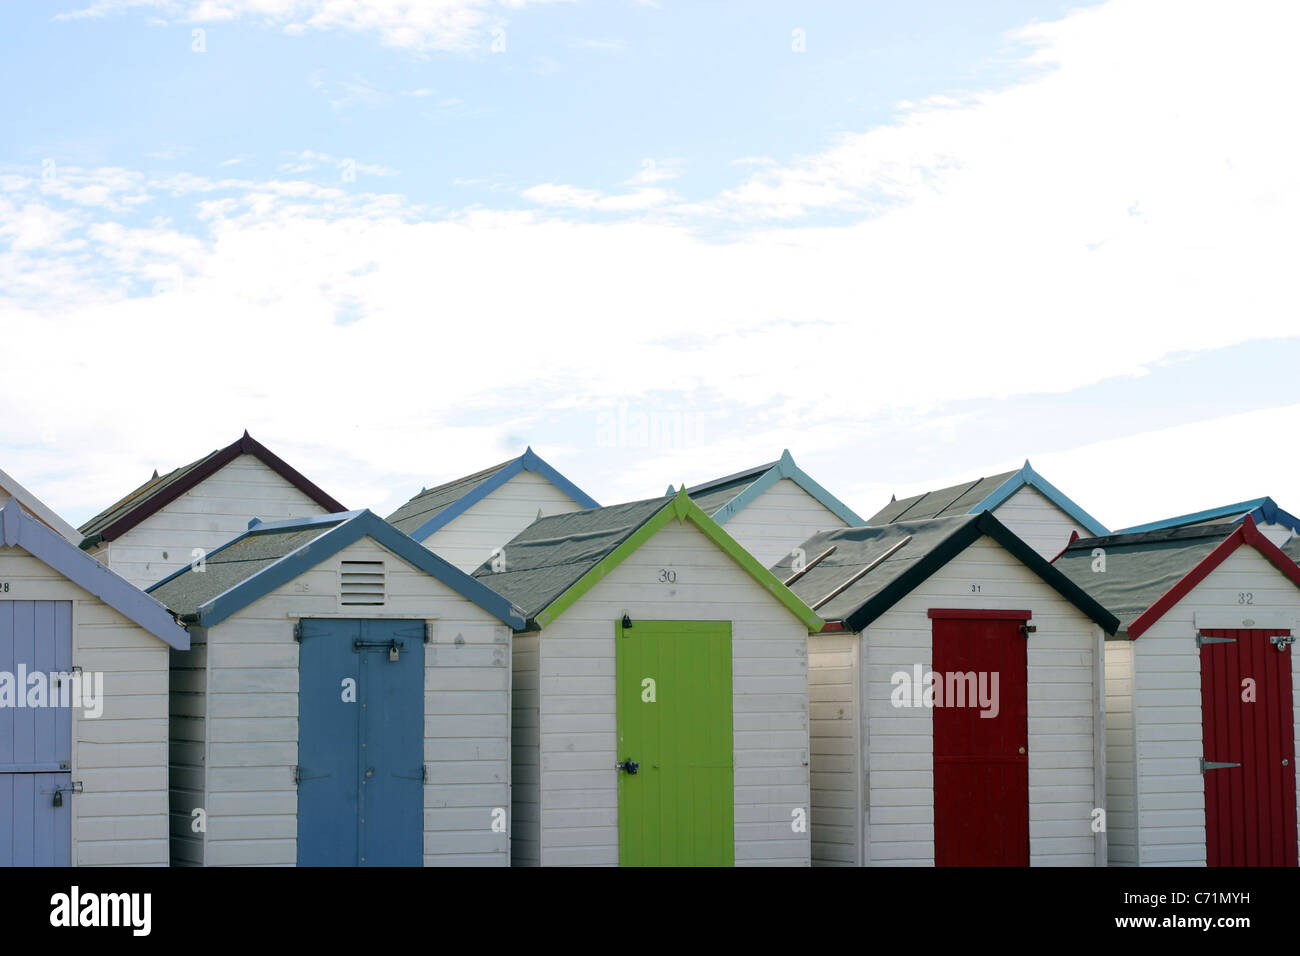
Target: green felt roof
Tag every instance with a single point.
(140, 496)
(713, 495)
(1140, 568)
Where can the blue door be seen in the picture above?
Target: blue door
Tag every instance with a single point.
(361, 743)
(35, 741)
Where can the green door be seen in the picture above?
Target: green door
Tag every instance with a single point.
(674, 723)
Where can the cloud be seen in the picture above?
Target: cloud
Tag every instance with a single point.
(449, 25)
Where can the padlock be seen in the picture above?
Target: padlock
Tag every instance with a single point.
(392, 652)
(58, 798)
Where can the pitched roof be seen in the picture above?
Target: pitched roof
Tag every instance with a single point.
(983, 494)
(724, 498)
(854, 575)
(557, 559)
(1262, 510)
(272, 553)
(123, 515)
(1147, 573)
(22, 530)
(433, 508)
(37, 507)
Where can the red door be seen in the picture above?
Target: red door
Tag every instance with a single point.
(981, 768)
(1249, 747)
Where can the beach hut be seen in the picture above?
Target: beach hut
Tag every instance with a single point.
(956, 698)
(10, 488)
(660, 693)
(173, 519)
(771, 508)
(345, 702)
(83, 705)
(1200, 693)
(1023, 500)
(466, 519)
(1271, 521)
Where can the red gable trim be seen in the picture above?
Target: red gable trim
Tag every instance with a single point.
(1247, 533)
(246, 445)
(969, 614)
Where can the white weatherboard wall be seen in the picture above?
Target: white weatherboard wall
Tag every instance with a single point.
(779, 520)
(207, 516)
(120, 757)
(1168, 800)
(1038, 522)
(235, 720)
(874, 801)
(470, 538)
(573, 785)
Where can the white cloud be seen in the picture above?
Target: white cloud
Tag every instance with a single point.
(422, 25)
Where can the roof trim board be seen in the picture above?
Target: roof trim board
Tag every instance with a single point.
(245, 445)
(22, 530)
(784, 467)
(38, 508)
(1249, 534)
(959, 541)
(1026, 476)
(528, 461)
(351, 527)
(681, 508)
(1262, 510)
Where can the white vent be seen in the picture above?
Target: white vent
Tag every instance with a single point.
(362, 582)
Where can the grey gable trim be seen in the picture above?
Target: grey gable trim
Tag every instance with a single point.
(21, 530)
(782, 468)
(357, 525)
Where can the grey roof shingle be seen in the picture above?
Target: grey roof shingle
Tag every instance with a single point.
(1139, 568)
(954, 500)
(553, 553)
(431, 502)
(232, 565)
(140, 496)
(712, 496)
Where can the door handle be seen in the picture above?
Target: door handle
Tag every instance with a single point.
(628, 766)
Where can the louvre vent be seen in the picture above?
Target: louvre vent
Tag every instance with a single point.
(362, 583)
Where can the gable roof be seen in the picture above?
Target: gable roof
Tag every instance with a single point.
(854, 575)
(1261, 510)
(557, 559)
(1147, 573)
(272, 553)
(724, 498)
(433, 508)
(151, 497)
(37, 507)
(21, 530)
(983, 494)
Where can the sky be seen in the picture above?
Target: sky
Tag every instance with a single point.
(658, 242)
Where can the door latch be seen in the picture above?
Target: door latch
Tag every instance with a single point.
(1282, 641)
(628, 766)
(59, 791)
(1215, 765)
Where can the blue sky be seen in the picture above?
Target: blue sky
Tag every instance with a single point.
(913, 243)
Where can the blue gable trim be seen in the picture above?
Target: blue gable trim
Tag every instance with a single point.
(1262, 510)
(528, 461)
(354, 526)
(784, 468)
(21, 530)
(1027, 476)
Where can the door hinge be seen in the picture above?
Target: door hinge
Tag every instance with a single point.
(1027, 629)
(1203, 639)
(1282, 641)
(1215, 765)
(427, 636)
(297, 631)
(297, 776)
(424, 774)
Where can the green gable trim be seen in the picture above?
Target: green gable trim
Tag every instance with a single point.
(786, 468)
(682, 508)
